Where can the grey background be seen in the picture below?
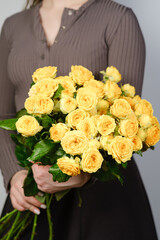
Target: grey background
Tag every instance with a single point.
(148, 16)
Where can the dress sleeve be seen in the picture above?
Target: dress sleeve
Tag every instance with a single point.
(8, 161)
(127, 50)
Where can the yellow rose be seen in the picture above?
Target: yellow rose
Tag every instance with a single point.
(142, 134)
(128, 90)
(86, 99)
(106, 141)
(128, 128)
(28, 126)
(92, 112)
(74, 142)
(106, 125)
(80, 74)
(130, 101)
(46, 87)
(153, 136)
(113, 74)
(112, 90)
(102, 107)
(94, 143)
(132, 116)
(120, 108)
(145, 121)
(91, 160)
(45, 72)
(69, 166)
(121, 149)
(88, 127)
(96, 86)
(143, 107)
(39, 104)
(57, 131)
(137, 98)
(155, 121)
(95, 119)
(74, 117)
(68, 104)
(137, 143)
(68, 85)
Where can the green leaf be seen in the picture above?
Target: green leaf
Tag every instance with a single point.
(52, 157)
(47, 122)
(109, 114)
(57, 174)
(42, 148)
(60, 152)
(30, 186)
(139, 153)
(41, 198)
(104, 176)
(17, 138)
(32, 84)
(22, 155)
(29, 142)
(21, 113)
(152, 147)
(123, 93)
(103, 72)
(116, 133)
(58, 92)
(124, 165)
(61, 194)
(118, 177)
(110, 171)
(75, 95)
(8, 124)
(38, 119)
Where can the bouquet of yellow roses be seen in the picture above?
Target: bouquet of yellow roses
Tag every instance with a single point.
(74, 123)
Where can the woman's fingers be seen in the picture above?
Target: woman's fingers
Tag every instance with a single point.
(33, 201)
(19, 201)
(16, 205)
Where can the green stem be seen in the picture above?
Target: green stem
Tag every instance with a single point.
(48, 202)
(4, 225)
(34, 226)
(8, 214)
(50, 199)
(24, 224)
(14, 224)
(79, 199)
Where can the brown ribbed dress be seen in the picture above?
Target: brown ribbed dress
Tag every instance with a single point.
(99, 34)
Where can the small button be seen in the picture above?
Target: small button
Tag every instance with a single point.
(63, 27)
(42, 56)
(70, 12)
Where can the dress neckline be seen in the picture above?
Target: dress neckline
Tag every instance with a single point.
(38, 27)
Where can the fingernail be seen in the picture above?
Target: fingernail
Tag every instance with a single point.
(36, 211)
(43, 206)
(41, 194)
(30, 161)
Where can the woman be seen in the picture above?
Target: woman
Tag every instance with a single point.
(95, 34)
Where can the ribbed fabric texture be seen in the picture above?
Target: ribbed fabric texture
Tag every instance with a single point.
(99, 34)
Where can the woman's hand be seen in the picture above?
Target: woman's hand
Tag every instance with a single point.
(19, 201)
(46, 184)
